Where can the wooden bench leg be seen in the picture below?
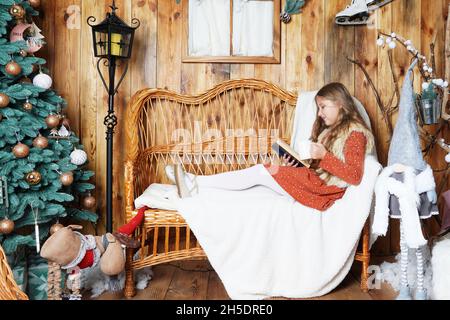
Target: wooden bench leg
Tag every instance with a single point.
(129, 290)
(365, 257)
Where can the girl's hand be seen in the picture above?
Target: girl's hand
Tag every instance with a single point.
(317, 151)
(286, 162)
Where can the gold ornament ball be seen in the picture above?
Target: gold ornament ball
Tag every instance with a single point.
(6, 226)
(28, 106)
(33, 178)
(40, 142)
(89, 202)
(21, 150)
(13, 68)
(4, 100)
(52, 121)
(66, 178)
(56, 227)
(17, 11)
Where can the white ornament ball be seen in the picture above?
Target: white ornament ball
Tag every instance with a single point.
(43, 80)
(388, 40)
(380, 42)
(78, 157)
(445, 84)
(430, 70)
(425, 85)
(392, 45)
(393, 35)
(425, 68)
(447, 158)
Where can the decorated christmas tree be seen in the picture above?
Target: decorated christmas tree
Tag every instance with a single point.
(42, 175)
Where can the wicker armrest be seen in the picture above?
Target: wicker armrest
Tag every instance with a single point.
(9, 290)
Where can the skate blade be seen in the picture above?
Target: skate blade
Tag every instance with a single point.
(379, 5)
(352, 23)
(360, 19)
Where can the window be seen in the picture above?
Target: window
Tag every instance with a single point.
(231, 31)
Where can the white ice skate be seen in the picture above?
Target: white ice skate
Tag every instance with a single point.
(376, 4)
(358, 12)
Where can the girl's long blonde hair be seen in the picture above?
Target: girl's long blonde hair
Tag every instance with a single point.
(348, 114)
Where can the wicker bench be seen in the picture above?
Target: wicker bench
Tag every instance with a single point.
(9, 290)
(164, 127)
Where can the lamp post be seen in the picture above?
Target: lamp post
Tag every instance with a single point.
(113, 41)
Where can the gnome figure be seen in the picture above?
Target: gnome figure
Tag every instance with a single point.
(405, 190)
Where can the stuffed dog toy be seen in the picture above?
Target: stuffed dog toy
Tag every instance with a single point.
(71, 249)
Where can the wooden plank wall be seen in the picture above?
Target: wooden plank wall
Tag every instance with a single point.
(314, 52)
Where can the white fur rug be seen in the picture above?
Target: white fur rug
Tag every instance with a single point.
(98, 282)
(437, 270)
(441, 269)
(390, 272)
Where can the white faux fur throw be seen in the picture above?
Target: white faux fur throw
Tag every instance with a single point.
(262, 244)
(157, 195)
(440, 262)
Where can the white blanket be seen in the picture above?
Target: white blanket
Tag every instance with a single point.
(262, 244)
(161, 196)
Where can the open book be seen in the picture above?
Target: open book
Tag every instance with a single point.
(282, 148)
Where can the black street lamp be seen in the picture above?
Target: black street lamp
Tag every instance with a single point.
(113, 40)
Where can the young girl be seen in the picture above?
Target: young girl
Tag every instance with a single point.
(340, 141)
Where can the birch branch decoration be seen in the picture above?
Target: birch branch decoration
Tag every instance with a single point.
(427, 71)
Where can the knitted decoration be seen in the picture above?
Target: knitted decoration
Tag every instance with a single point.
(54, 282)
(405, 144)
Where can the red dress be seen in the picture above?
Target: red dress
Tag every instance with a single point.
(305, 185)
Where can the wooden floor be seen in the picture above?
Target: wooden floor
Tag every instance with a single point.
(196, 280)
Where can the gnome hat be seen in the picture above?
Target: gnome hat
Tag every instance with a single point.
(405, 144)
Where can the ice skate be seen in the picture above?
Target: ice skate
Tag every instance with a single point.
(376, 4)
(358, 12)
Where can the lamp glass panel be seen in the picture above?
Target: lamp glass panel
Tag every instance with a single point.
(101, 39)
(120, 42)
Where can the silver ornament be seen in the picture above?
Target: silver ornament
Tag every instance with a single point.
(78, 157)
(43, 80)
